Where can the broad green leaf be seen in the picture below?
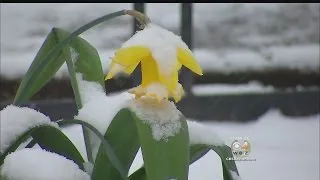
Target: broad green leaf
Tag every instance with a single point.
(164, 159)
(107, 148)
(123, 138)
(30, 85)
(52, 139)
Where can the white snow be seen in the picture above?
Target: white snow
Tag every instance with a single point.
(284, 147)
(89, 90)
(37, 164)
(162, 44)
(14, 121)
(163, 116)
(98, 109)
(201, 134)
(227, 37)
(73, 131)
(251, 87)
(248, 88)
(74, 55)
(300, 57)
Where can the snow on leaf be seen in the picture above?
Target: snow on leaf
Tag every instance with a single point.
(38, 164)
(16, 120)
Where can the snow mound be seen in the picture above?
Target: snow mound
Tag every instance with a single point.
(37, 164)
(16, 120)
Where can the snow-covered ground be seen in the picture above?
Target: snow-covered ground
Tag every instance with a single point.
(283, 148)
(251, 87)
(227, 37)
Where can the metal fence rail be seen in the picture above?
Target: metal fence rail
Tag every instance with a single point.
(231, 107)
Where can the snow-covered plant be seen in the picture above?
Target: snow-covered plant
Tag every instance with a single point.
(114, 127)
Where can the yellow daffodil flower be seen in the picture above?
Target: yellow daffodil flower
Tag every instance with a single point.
(161, 54)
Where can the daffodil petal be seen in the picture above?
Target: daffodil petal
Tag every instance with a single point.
(186, 58)
(149, 71)
(114, 69)
(130, 56)
(170, 81)
(131, 68)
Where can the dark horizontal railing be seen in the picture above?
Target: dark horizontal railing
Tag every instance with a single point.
(230, 107)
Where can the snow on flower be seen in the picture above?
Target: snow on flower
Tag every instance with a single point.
(163, 117)
(38, 164)
(16, 120)
(202, 134)
(161, 54)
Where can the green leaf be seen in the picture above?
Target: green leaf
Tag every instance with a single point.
(199, 150)
(30, 85)
(54, 140)
(164, 159)
(49, 60)
(82, 58)
(50, 138)
(139, 174)
(123, 138)
(88, 62)
(107, 148)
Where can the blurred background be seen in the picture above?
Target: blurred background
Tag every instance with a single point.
(261, 66)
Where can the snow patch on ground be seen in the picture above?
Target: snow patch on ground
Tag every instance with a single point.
(218, 89)
(37, 164)
(284, 148)
(14, 121)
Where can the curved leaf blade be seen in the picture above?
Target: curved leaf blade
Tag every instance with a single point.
(199, 150)
(123, 138)
(107, 148)
(28, 87)
(31, 82)
(54, 140)
(49, 138)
